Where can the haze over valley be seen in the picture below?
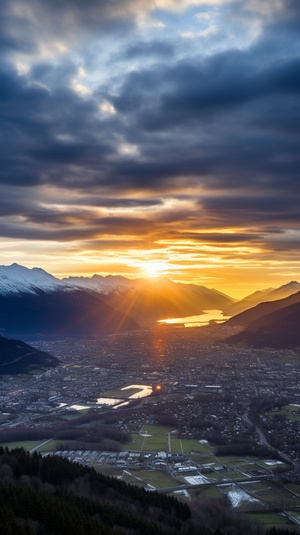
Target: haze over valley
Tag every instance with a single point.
(103, 381)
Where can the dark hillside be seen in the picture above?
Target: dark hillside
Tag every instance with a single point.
(279, 329)
(18, 357)
(262, 296)
(52, 496)
(260, 311)
(62, 313)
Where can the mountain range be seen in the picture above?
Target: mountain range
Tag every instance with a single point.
(152, 299)
(34, 303)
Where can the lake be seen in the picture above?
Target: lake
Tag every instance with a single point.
(143, 390)
(198, 320)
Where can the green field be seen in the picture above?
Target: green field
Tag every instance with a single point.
(158, 441)
(156, 429)
(190, 445)
(135, 445)
(176, 445)
(155, 443)
(235, 460)
(272, 493)
(158, 478)
(290, 412)
(210, 492)
(150, 443)
(256, 486)
(72, 415)
(50, 446)
(268, 520)
(26, 444)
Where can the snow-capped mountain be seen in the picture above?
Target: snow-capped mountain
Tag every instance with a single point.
(15, 279)
(99, 284)
(34, 303)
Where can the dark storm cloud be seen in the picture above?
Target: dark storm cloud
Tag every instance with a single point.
(282, 211)
(227, 116)
(226, 122)
(43, 130)
(35, 120)
(201, 90)
(47, 225)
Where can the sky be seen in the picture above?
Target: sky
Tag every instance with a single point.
(161, 135)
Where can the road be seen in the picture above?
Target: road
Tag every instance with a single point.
(263, 440)
(40, 445)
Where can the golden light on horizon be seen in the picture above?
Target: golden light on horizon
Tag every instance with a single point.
(154, 269)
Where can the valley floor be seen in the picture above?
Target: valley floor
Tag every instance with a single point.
(226, 422)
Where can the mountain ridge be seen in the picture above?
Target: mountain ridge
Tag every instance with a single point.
(34, 303)
(262, 309)
(260, 296)
(272, 324)
(278, 329)
(59, 314)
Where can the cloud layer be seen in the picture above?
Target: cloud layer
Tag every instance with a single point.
(165, 127)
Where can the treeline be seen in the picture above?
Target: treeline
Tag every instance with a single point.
(19, 434)
(277, 531)
(241, 449)
(53, 496)
(98, 435)
(104, 445)
(265, 403)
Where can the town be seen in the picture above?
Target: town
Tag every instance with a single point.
(207, 386)
(189, 410)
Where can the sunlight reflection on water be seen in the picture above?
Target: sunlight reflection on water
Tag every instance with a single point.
(144, 390)
(199, 320)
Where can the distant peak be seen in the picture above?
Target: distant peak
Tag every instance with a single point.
(291, 283)
(15, 265)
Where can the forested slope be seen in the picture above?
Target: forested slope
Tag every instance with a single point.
(53, 496)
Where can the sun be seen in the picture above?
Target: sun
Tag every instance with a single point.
(154, 269)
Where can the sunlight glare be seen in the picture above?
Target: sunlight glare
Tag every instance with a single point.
(154, 269)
